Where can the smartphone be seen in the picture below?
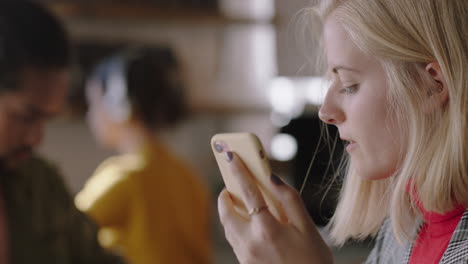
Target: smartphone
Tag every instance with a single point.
(249, 148)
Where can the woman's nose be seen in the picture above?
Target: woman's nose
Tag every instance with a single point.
(330, 112)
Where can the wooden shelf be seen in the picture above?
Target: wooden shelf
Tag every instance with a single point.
(136, 12)
(222, 110)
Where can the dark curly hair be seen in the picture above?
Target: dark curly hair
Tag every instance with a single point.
(154, 89)
(30, 36)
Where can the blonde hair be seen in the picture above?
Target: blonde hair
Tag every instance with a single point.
(405, 36)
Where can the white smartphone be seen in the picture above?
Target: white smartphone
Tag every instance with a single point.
(249, 148)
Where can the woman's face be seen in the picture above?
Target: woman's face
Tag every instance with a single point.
(357, 105)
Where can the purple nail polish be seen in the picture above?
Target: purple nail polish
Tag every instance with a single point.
(218, 147)
(229, 156)
(276, 180)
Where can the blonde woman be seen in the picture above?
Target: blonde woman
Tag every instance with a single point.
(399, 97)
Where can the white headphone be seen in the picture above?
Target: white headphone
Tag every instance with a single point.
(115, 96)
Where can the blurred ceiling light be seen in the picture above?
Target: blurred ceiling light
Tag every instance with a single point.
(289, 96)
(284, 97)
(279, 120)
(316, 90)
(248, 9)
(283, 147)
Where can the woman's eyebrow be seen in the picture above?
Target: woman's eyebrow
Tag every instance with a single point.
(343, 68)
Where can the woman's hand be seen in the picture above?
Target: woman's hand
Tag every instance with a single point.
(261, 238)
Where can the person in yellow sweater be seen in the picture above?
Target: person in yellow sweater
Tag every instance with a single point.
(150, 205)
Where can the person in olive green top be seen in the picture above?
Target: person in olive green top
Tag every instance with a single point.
(44, 225)
(38, 220)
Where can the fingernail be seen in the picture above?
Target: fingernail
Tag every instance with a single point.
(229, 156)
(276, 180)
(218, 147)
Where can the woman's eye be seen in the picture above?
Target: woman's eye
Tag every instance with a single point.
(350, 89)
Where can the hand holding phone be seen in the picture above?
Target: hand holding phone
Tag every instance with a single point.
(249, 148)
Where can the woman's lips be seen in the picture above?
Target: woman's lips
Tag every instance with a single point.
(350, 145)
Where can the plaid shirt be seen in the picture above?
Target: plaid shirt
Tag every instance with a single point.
(43, 224)
(387, 250)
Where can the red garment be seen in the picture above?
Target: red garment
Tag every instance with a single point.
(435, 235)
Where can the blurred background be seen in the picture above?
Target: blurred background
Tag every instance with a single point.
(249, 65)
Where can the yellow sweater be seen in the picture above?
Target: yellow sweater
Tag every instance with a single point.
(151, 207)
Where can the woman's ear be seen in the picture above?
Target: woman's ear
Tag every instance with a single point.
(438, 94)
